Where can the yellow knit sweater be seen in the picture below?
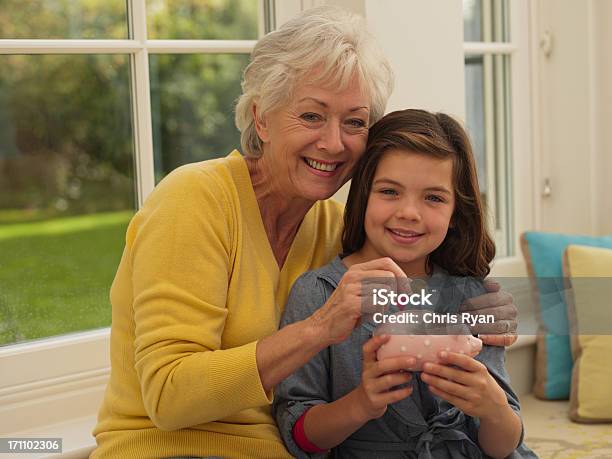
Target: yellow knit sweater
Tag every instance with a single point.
(197, 287)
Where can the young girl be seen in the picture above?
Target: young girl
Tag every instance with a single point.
(414, 198)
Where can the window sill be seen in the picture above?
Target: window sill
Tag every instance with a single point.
(508, 267)
(77, 441)
(50, 381)
(522, 341)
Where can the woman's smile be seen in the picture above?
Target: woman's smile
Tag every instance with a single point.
(323, 168)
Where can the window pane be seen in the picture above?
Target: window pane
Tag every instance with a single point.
(202, 19)
(500, 20)
(66, 190)
(488, 122)
(192, 101)
(472, 18)
(486, 20)
(474, 92)
(57, 19)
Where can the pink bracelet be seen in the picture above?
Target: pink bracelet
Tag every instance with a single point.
(300, 439)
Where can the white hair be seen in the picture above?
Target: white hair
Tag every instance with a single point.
(328, 39)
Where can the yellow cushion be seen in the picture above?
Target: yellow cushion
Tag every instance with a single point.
(590, 316)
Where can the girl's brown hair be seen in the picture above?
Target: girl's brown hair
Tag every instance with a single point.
(468, 248)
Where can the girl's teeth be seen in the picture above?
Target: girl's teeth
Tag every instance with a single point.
(321, 166)
(399, 233)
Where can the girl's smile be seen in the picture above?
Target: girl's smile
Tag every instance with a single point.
(404, 236)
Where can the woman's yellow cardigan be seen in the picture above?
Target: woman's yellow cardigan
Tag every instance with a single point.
(197, 287)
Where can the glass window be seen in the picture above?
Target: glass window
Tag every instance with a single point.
(203, 19)
(474, 97)
(71, 139)
(472, 15)
(66, 190)
(192, 104)
(487, 80)
(485, 21)
(58, 19)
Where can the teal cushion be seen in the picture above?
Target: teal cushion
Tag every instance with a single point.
(544, 255)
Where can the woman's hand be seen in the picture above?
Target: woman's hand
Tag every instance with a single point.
(501, 305)
(469, 386)
(337, 318)
(377, 380)
(281, 353)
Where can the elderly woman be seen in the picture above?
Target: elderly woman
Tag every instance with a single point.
(211, 256)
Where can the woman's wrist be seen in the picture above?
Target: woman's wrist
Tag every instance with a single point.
(316, 333)
(283, 352)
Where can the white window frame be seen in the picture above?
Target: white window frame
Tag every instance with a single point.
(52, 380)
(522, 158)
(522, 49)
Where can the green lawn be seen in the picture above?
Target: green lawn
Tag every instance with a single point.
(55, 275)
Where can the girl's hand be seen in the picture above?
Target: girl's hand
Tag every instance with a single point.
(471, 388)
(377, 380)
(336, 319)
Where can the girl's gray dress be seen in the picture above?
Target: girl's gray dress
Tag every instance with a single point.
(422, 425)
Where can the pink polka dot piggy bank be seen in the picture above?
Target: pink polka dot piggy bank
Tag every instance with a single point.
(420, 334)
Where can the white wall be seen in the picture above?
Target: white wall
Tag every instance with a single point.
(424, 43)
(603, 54)
(575, 140)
